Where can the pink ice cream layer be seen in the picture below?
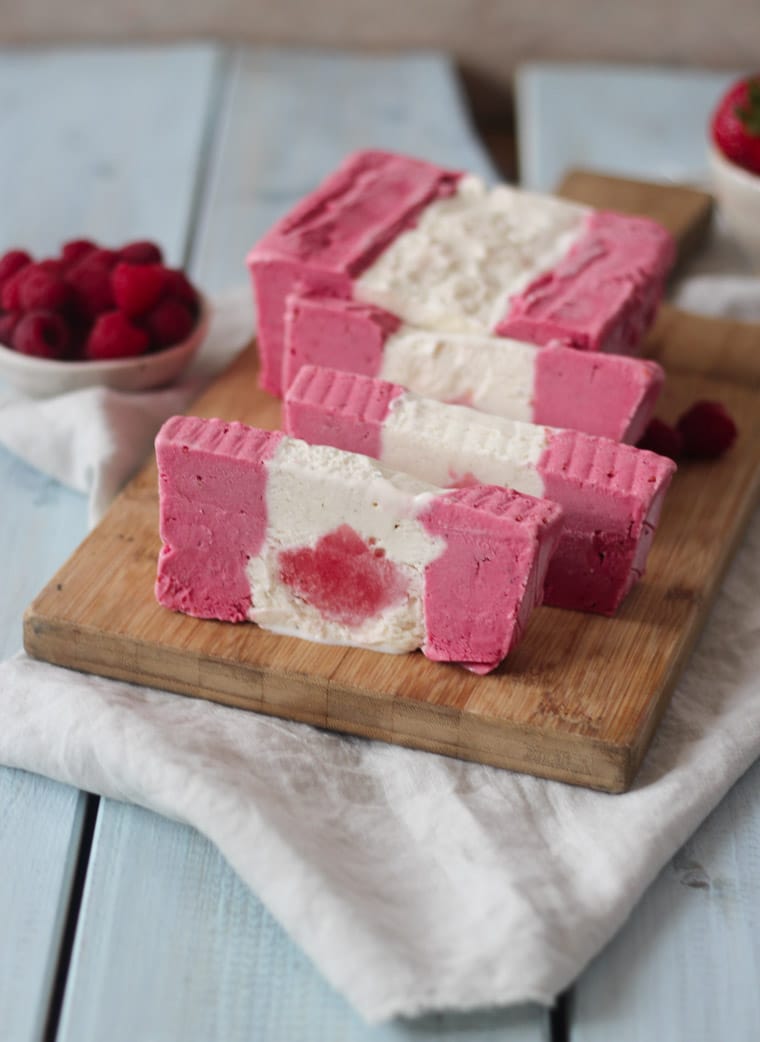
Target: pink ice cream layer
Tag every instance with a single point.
(334, 234)
(611, 494)
(601, 296)
(607, 395)
(209, 529)
(479, 590)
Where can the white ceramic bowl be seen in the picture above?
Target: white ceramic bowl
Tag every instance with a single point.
(43, 377)
(738, 194)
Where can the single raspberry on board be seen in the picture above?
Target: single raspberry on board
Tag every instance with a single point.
(707, 430)
(169, 322)
(13, 261)
(43, 334)
(141, 252)
(41, 288)
(137, 287)
(660, 437)
(114, 336)
(735, 124)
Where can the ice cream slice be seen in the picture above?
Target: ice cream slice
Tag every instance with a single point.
(611, 494)
(310, 541)
(610, 395)
(440, 250)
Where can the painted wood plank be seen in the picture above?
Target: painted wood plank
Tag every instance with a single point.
(40, 822)
(214, 964)
(104, 143)
(687, 964)
(231, 970)
(633, 121)
(287, 119)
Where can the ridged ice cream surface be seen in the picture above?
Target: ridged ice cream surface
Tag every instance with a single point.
(467, 254)
(317, 489)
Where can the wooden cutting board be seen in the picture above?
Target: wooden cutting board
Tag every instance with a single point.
(577, 701)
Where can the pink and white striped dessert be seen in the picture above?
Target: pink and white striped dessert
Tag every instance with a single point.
(610, 395)
(611, 494)
(440, 250)
(310, 541)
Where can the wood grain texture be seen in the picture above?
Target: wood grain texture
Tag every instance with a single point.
(578, 700)
(246, 979)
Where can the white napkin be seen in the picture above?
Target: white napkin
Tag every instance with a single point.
(413, 881)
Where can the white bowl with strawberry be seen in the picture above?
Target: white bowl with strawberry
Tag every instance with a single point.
(735, 162)
(95, 316)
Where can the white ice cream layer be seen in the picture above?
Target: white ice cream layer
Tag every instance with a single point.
(490, 373)
(451, 445)
(468, 254)
(311, 491)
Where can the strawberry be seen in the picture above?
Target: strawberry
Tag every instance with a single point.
(735, 124)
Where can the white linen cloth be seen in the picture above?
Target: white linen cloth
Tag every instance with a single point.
(413, 881)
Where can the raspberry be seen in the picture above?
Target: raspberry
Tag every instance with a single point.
(41, 289)
(707, 430)
(42, 334)
(8, 323)
(137, 287)
(91, 281)
(13, 261)
(142, 252)
(178, 285)
(75, 249)
(107, 258)
(114, 336)
(9, 295)
(52, 265)
(663, 439)
(169, 322)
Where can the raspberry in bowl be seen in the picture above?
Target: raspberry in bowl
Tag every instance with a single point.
(735, 162)
(95, 316)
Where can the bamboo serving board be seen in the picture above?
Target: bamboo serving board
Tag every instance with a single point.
(578, 700)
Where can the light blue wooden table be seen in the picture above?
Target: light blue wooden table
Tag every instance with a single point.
(118, 925)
